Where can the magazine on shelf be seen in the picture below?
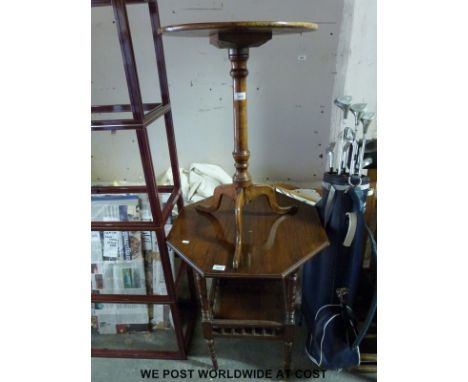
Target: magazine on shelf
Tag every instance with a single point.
(118, 266)
(117, 245)
(96, 246)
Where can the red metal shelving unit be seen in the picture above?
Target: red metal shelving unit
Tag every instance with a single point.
(143, 116)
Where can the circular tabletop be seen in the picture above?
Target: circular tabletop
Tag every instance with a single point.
(207, 29)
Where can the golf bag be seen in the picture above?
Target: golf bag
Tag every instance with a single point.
(331, 278)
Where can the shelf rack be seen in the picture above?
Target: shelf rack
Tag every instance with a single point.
(143, 115)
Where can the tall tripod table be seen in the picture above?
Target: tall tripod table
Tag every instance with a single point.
(238, 37)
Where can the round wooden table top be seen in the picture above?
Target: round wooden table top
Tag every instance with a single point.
(207, 29)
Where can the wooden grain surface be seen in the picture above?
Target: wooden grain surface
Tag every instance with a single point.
(274, 245)
(237, 299)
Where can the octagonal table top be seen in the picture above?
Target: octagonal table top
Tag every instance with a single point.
(274, 245)
(209, 28)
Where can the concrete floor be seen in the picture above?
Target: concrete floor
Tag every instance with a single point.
(243, 354)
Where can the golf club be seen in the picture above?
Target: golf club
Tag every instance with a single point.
(344, 103)
(348, 135)
(366, 162)
(366, 120)
(345, 156)
(352, 166)
(329, 152)
(357, 109)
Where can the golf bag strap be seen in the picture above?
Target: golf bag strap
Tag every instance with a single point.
(356, 196)
(329, 205)
(351, 232)
(348, 316)
(373, 307)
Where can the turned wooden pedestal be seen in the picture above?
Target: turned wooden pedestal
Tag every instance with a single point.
(238, 37)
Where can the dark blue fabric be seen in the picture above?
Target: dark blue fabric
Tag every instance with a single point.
(335, 267)
(329, 346)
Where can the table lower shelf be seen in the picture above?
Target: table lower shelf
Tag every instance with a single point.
(248, 306)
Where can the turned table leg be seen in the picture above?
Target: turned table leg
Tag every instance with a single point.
(289, 287)
(206, 317)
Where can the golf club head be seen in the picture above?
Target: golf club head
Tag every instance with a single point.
(358, 109)
(344, 102)
(366, 162)
(348, 134)
(366, 119)
(330, 148)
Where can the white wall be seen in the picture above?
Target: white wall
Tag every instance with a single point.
(290, 98)
(357, 60)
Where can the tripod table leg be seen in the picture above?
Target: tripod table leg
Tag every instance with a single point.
(240, 202)
(256, 190)
(220, 191)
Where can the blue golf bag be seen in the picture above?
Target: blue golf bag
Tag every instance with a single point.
(330, 279)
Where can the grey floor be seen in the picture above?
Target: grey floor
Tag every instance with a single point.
(243, 354)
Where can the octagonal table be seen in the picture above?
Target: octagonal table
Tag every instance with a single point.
(257, 298)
